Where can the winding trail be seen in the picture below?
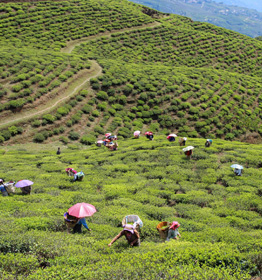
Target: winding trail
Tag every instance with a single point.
(72, 88)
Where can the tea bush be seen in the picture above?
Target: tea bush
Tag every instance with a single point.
(220, 214)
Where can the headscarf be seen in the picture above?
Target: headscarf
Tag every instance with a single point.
(129, 228)
(174, 225)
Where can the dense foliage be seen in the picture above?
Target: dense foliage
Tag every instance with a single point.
(27, 75)
(50, 24)
(171, 74)
(220, 214)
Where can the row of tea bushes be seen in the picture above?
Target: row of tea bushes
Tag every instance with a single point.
(220, 214)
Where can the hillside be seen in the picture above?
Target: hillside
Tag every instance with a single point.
(226, 14)
(219, 213)
(159, 72)
(71, 71)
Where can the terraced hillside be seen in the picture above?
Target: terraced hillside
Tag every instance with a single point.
(71, 71)
(219, 213)
(160, 72)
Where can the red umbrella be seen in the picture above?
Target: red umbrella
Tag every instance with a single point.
(171, 135)
(149, 133)
(81, 210)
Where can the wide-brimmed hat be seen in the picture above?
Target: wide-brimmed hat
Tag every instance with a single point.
(174, 225)
(129, 228)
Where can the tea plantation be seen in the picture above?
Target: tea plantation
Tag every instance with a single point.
(120, 66)
(219, 213)
(70, 71)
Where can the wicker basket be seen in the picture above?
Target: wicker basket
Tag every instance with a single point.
(26, 190)
(131, 219)
(163, 228)
(70, 221)
(10, 188)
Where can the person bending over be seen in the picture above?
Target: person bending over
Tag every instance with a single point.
(131, 234)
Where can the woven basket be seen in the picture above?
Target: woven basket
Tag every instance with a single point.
(70, 221)
(26, 190)
(163, 228)
(131, 219)
(10, 188)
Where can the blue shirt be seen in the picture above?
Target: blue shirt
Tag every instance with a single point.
(172, 234)
(83, 222)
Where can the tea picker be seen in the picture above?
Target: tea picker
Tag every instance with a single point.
(149, 135)
(70, 171)
(208, 143)
(171, 137)
(99, 143)
(173, 231)
(2, 188)
(58, 152)
(238, 169)
(79, 176)
(188, 151)
(25, 186)
(113, 146)
(75, 216)
(131, 234)
(131, 225)
(136, 134)
(182, 141)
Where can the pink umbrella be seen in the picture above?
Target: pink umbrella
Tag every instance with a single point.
(81, 210)
(137, 132)
(107, 135)
(23, 183)
(100, 141)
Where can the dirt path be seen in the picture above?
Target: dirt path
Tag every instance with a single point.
(72, 44)
(51, 104)
(79, 83)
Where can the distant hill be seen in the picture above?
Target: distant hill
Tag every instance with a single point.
(251, 4)
(243, 20)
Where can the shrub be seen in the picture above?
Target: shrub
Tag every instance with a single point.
(63, 139)
(73, 135)
(39, 137)
(229, 136)
(6, 134)
(84, 92)
(13, 130)
(87, 109)
(102, 95)
(99, 129)
(61, 129)
(95, 113)
(49, 118)
(63, 111)
(125, 132)
(69, 123)
(88, 139)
